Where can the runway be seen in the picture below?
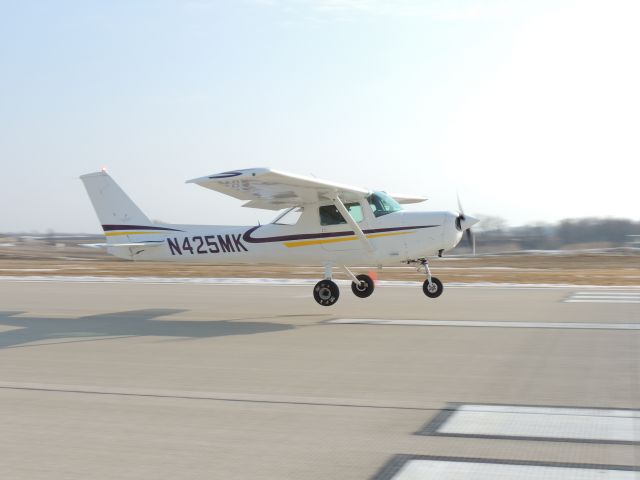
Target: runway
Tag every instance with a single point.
(138, 380)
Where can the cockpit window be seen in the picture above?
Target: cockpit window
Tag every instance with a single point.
(289, 217)
(383, 204)
(329, 214)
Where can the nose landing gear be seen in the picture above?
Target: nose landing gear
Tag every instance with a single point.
(432, 287)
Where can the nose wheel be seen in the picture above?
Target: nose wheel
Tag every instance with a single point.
(433, 288)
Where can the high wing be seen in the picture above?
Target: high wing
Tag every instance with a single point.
(274, 190)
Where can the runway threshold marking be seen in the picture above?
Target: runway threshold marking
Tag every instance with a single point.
(414, 467)
(604, 296)
(468, 323)
(521, 422)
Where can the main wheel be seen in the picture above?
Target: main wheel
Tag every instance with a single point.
(364, 288)
(326, 293)
(433, 289)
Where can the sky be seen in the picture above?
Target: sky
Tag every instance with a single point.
(528, 110)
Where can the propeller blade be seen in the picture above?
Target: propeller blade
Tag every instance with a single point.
(471, 238)
(460, 210)
(465, 223)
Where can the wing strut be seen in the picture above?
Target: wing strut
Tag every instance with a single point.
(356, 228)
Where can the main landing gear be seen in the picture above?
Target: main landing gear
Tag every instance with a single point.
(326, 292)
(364, 287)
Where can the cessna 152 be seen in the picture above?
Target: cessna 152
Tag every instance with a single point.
(322, 222)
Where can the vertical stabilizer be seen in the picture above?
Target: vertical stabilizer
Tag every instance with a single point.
(112, 205)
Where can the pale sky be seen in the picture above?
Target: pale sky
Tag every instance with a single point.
(530, 110)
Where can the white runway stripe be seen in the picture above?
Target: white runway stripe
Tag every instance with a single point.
(591, 300)
(464, 323)
(611, 294)
(452, 470)
(579, 424)
(603, 296)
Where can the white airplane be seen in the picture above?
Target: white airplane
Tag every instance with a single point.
(321, 223)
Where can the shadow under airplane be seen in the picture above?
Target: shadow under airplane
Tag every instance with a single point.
(120, 324)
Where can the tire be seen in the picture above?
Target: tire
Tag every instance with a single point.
(326, 293)
(365, 288)
(434, 290)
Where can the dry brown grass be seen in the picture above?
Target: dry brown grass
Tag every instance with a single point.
(574, 268)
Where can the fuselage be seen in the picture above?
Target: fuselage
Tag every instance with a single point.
(393, 238)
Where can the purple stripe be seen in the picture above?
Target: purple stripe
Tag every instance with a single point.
(309, 236)
(108, 228)
(226, 175)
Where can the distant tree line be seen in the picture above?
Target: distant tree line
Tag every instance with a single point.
(493, 233)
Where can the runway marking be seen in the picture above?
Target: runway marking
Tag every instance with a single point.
(212, 396)
(521, 422)
(469, 323)
(604, 297)
(423, 467)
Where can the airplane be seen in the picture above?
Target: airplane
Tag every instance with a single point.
(320, 222)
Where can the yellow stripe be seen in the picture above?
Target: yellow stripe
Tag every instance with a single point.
(305, 243)
(376, 235)
(115, 234)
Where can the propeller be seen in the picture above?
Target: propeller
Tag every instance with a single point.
(464, 224)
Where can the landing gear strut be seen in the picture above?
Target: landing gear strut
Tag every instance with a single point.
(432, 287)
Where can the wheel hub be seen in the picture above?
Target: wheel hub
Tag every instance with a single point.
(324, 293)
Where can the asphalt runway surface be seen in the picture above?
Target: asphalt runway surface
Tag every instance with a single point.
(143, 381)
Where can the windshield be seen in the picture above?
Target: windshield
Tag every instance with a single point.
(382, 204)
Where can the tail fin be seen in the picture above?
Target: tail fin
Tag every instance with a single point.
(113, 207)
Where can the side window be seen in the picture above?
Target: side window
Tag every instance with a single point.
(329, 214)
(355, 209)
(289, 217)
